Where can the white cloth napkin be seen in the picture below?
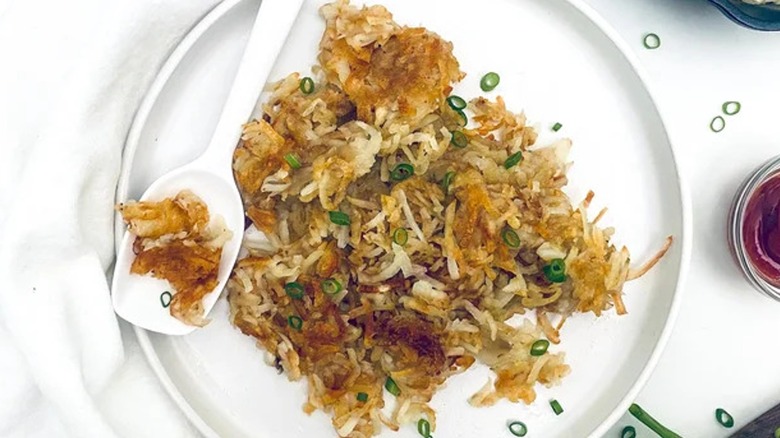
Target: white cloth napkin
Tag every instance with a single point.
(72, 74)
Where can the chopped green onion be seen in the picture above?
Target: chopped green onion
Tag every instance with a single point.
(724, 418)
(456, 102)
(490, 81)
(641, 415)
(292, 160)
(392, 387)
(518, 428)
(362, 397)
(628, 432)
(464, 120)
(307, 85)
(717, 124)
(400, 236)
(447, 181)
(294, 290)
(651, 41)
(557, 127)
(555, 271)
(731, 107)
(424, 428)
(777, 432)
(459, 139)
(339, 218)
(331, 286)
(165, 299)
(295, 322)
(513, 160)
(538, 348)
(511, 238)
(556, 407)
(401, 172)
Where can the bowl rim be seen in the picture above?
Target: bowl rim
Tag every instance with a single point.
(735, 12)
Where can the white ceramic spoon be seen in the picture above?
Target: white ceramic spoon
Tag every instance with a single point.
(136, 298)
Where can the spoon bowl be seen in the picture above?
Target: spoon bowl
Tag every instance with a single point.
(138, 299)
(142, 300)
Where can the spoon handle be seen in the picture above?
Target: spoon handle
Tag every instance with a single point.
(272, 25)
(763, 426)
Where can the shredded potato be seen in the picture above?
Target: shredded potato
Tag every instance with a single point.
(419, 308)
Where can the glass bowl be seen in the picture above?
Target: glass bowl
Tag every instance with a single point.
(735, 224)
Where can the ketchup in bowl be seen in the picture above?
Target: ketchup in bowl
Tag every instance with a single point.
(761, 229)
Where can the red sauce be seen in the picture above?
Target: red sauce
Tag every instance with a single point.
(761, 230)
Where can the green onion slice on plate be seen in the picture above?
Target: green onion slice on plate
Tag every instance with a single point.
(510, 238)
(555, 271)
(293, 161)
(294, 290)
(513, 160)
(518, 428)
(456, 102)
(459, 139)
(331, 286)
(400, 236)
(628, 432)
(424, 428)
(490, 81)
(538, 348)
(295, 322)
(401, 172)
(392, 387)
(306, 85)
(555, 405)
(165, 299)
(339, 218)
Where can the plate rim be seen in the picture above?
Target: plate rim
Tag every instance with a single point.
(685, 240)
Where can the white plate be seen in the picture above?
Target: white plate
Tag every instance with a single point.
(560, 63)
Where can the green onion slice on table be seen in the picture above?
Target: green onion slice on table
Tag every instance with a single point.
(731, 107)
(651, 41)
(717, 124)
(724, 418)
(642, 415)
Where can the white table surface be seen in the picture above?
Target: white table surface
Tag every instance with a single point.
(723, 352)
